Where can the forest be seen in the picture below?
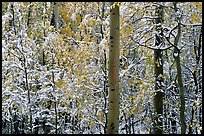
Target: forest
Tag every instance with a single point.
(102, 68)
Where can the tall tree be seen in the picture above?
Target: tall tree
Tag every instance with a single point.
(158, 71)
(113, 69)
(56, 15)
(179, 75)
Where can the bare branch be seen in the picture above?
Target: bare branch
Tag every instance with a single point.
(152, 48)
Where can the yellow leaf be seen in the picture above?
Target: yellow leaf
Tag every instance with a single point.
(78, 82)
(132, 110)
(140, 9)
(194, 18)
(148, 129)
(159, 119)
(199, 6)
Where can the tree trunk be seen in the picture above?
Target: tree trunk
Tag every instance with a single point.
(28, 89)
(158, 69)
(105, 92)
(113, 69)
(56, 15)
(179, 76)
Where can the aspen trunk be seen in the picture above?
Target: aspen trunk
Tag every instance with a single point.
(113, 69)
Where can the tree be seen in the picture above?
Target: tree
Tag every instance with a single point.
(113, 70)
(179, 75)
(158, 69)
(56, 16)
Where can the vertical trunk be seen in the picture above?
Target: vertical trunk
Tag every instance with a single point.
(158, 69)
(29, 15)
(113, 69)
(126, 126)
(179, 77)
(105, 77)
(158, 99)
(55, 101)
(56, 15)
(182, 98)
(102, 16)
(129, 125)
(133, 129)
(43, 52)
(28, 89)
(166, 120)
(105, 93)
(197, 49)
(200, 76)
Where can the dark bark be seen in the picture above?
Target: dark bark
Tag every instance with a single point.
(179, 75)
(158, 71)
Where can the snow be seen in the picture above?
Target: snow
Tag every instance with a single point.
(103, 41)
(106, 22)
(175, 54)
(159, 90)
(160, 61)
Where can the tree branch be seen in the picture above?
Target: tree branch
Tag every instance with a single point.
(152, 48)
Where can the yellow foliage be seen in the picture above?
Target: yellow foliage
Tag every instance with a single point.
(194, 18)
(100, 115)
(140, 9)
(69, 95)
(157, 63)
(67, 31)
(199, 6)
(132, 110)
(59, 83)
(78, 18)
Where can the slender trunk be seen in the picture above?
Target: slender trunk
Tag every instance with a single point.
(113, 113)
(158, 69)
(28, 89)
(133, 129)
(182, 97)
(29, 15)
(10, 111)
(105, 93)
(179, 76)
(43, 52)
(197, 49)
(13, 19)
(126, 126)
(102, 16)
(56, 15)
(55, 101)
(200, 75)
(129, 125)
